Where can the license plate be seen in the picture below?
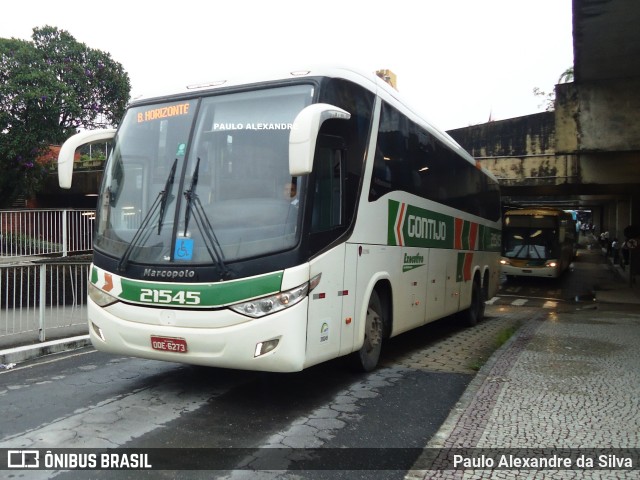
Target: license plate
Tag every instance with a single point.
(169, 344)
(527, 271)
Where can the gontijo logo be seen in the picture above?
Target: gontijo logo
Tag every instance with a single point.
(411, 226)
(416, 227)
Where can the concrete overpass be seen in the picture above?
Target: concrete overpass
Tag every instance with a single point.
(585, 153)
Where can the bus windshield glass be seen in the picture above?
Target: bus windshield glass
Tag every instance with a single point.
(203, 180)
(530, 238)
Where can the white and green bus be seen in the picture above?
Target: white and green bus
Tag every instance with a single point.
(280, 222)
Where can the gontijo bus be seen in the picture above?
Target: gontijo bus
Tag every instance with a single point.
(276, 223)
(538, 242)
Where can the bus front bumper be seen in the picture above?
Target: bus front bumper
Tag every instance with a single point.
(244, 345)
(549, 270)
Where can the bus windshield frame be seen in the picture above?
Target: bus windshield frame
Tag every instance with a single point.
(528, 237)
(242, 197)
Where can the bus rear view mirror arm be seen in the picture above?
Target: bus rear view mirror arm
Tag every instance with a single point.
(68, 151)
(304, 133)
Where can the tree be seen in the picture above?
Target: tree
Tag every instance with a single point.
(49, 88)
(549, 99)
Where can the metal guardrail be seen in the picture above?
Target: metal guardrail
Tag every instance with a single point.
(45, 231)
(40, 296)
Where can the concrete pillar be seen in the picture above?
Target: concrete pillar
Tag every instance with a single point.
(635, 209)
(610, 219)
(596, 219)
(634, 268)
(623, 217)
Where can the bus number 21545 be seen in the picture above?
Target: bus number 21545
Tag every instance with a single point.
(150, 295)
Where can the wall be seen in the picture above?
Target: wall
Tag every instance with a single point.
(519, 150)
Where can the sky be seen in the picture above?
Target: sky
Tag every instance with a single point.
(458, 62)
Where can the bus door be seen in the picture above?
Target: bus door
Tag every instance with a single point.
(348, 319)
(453, 283)
(436, 284)
(411, 290)
(325, 324)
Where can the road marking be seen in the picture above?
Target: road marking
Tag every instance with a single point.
(550, 304)
(492, 301)
(37, 363)
(519, 302)
(553, 299)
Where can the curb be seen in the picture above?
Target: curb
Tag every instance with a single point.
(439, 440)
(447, 435)
(29, 352)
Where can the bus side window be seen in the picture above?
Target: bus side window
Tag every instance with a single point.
(327, 196)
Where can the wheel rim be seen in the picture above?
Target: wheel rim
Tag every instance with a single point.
(373, 332)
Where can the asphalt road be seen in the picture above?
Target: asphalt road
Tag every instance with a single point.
(87, 399)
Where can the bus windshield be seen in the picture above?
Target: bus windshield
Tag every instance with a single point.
(203, 180)
(530, 238)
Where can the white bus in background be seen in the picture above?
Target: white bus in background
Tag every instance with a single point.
(538, 242)
(276, 223)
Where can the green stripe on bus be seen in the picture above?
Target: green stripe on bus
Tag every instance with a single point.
(460, 267)
(391, 223)
(466, 228)
(209, 294)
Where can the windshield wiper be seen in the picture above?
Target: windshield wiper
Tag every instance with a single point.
(204, 225)
(517, 254)
(165, 194)
(159, 203)
(189, 195)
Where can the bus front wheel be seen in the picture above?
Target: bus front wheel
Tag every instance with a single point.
(366, 359)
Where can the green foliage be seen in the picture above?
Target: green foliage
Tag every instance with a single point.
(49, 88)
(92, 153)
(549, 99)
(567, 76)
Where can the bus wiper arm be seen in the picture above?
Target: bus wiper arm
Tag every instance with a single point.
(189, 195)
(517, 254)
(204, 225)
(159, 203)
(165, 194)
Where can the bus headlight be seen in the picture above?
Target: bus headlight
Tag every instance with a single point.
(271, 304)
(100, 297)
(275, 303)
(504, 261)
(551, 264)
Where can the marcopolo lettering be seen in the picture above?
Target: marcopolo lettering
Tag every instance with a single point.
(427, 228)
(151, 273)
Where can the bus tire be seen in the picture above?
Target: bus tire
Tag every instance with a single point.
(472, 315)
(366, 359)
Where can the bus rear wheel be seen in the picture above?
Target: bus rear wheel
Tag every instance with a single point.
(366, 359)
(471, 316)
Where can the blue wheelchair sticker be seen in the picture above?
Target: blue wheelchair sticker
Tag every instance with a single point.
(184, 249)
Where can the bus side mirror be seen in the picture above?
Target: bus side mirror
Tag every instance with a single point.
(304, 133)
(68, 151)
